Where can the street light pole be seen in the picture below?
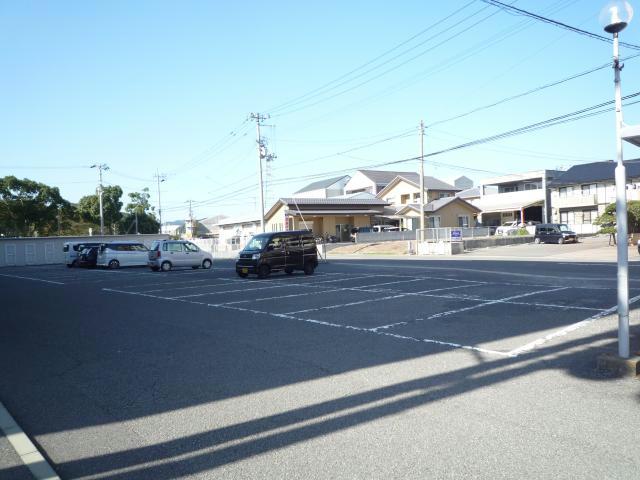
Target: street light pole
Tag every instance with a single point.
(422, 180)
(621, 218)
(616, 16)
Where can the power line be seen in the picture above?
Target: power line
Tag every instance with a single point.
(370, 62)
(519, 11)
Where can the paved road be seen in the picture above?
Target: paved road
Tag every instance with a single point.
(368, 369)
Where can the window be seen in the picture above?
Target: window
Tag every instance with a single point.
(190, 247)
(463, 221)
(562, 192)
(175, 247)
(533, 186)
(564, 217)
(416, 197)
(433, 222)
(444, 195)
(404, 198)
(588, 216)
(589, 189)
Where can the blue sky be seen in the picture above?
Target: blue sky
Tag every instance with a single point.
(167, 86)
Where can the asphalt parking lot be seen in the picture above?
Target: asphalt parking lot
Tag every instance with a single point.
(367, 369)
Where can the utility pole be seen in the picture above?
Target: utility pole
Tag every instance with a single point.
(100, 167)
(261, 154)
(159, 178)
(422, 180)
(191, 218)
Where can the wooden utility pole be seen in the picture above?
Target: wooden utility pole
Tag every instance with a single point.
(261, 154)
(159, 178)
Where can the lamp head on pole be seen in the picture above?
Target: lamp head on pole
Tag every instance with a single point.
(616, 15)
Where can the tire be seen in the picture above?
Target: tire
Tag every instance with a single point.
(560, 241)
(113, 264)
(288, 270)
(263, 271)
(166, 266)
(242, 275)
(155, 269)
(69, 265)
(195, 267)
(206, 264)
(536, 240)
(309, 268)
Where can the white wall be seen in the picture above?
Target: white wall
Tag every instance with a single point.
(359, 181)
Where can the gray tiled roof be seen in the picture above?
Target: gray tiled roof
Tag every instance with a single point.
(430, 183)
(469, 193)
(334, 201)
(382, 177)
(595, 172)
(321, 184)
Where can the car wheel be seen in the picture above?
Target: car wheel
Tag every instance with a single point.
(288, 270)
(69, 265)
(195, 267)
(309, 268)
(206, 264)
(166, 266)
(113, 264)
(263, 271)
(155, 269)
(242, 275)
(560, 241)
(536, 240)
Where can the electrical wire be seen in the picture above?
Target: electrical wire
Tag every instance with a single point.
(519, 11)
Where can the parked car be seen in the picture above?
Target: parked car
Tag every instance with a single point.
(278, 251)
(554, 233)
(72, 251)
(122, 254)
(167, 254)
(88, 257)
(508, 228)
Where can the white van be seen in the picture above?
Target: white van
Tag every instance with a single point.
(122, 254)
(72, 251)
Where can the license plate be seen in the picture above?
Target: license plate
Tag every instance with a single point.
(245, 270)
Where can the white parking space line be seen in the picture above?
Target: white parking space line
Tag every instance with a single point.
(483, 303)
(224, 282)
(562, 332)
(31, 278)
(562, 279)
(228, 291)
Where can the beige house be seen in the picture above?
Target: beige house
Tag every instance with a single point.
(324, 216)
(405, 189)
(444, 212)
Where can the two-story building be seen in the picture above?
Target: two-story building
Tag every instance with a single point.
(520, 196)
(371, 181)
(331, 187)
(581, 194)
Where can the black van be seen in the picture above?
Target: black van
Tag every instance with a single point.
(554, 233)
(278, 251)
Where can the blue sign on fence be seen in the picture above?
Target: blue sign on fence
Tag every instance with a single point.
(456, 235)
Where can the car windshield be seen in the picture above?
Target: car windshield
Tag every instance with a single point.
(564, 228)
(257, 243)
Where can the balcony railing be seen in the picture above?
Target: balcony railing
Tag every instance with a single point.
(575, 201)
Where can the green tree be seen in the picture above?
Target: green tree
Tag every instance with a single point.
(607, 220)
(89, 208)
(30, 208)
(140, 211)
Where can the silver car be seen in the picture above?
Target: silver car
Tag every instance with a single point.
(122, 254)
(166, 254)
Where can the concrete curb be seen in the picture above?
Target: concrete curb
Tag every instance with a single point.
(623, 367)
(26, 450)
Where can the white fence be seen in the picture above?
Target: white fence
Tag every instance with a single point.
(48, 250)
(443, 234)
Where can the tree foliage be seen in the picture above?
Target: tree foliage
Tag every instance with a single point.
(607, 220)
(30, 208)
(140, 210)
(89, 207)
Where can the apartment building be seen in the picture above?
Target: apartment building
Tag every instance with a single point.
(520, 196)
(581, 194)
